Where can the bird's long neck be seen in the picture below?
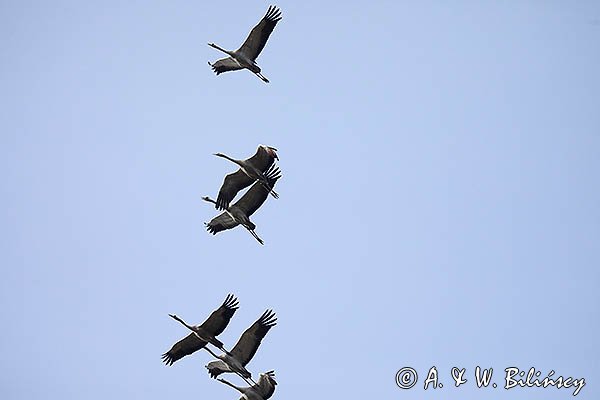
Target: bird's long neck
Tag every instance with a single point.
(176, 318)
(239, 389)
(227, 158)
(233, 160)
(220, 49)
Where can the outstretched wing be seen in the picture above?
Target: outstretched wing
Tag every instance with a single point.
(219, 319)
(262, 160)
(248, 344)
(257, 194)
(232, 184)
(260, 34)
(186, 346)
(266, 384)
(220, 223)
(225, 65)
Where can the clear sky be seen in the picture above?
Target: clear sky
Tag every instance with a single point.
(439, 204)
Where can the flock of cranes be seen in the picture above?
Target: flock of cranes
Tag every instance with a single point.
(233, 361)
(261, 174)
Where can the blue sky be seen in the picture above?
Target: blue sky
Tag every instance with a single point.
(439, 204)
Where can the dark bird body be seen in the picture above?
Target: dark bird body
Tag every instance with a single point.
(246, 55)
(202, 334)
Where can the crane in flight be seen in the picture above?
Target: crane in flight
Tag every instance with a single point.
(245, 57)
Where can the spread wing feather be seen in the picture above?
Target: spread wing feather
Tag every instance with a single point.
(257, 39)
(257, 194)
(266, 384)
(186, 346)
(219, 319)
(248, 343)
(232, 184)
